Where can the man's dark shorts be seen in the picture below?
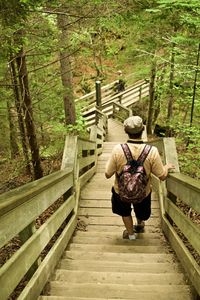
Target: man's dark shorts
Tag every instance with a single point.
(142, 210)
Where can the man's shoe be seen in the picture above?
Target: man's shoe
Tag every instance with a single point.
(125, 235)
(139, 227)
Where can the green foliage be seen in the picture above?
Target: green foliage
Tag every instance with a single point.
(189, 157)
(80, 127)
(124, 34)
(15, 11)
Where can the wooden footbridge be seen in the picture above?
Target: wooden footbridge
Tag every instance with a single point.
(78, 252)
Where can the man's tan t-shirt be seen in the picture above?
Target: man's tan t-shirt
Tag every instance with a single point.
(152, 163)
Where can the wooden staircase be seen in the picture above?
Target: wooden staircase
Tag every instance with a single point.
(99, 264)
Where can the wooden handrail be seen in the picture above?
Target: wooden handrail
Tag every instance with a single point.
(126, 98)
(135, 91)
(185, 188)
(21, 207)
(179, 187)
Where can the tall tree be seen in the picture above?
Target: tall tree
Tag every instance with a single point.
(13, 134)
(195, 86)
(66, 67)
(28, 112)
(14, 15)
(151, 97)
(20, 115)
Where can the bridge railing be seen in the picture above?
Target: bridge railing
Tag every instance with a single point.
(42, 216)
(90, 98)
(126, 98)
(182, 232)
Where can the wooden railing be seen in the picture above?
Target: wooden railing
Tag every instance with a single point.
(182, 232)
(120, 112)
(106, 91)
(126, 98)
(21, 210)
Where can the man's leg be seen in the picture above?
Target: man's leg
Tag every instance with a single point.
(142, 212)
(124, 210)
(128, 223)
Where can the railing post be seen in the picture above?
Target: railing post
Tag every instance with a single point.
(24, 235)
(98, 93)
(140, 93)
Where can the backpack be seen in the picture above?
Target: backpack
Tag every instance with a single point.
(132, 181)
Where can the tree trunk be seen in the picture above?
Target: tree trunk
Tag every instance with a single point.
(14, 149)
(194, 86)
(151, 97)
(66, 70)
(171, 91)
(20, 114)
(28, 114)
(171, 85)
(158, 94)
(194, 92)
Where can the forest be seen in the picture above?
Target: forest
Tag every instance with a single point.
(52, 52)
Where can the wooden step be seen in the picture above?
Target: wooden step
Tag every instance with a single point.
(77, 276)
(136, 296)
(115, 291)
(116, 235)
(117, 241)
(106, 203)
(119, 257)
(117, 228)
(108, 212)
(114, 266)
(116, 220)
(118, 249)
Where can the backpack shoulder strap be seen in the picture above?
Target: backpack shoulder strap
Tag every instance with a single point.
(144, 153)
(127, 152)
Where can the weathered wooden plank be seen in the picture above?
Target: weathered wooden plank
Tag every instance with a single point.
(110, 240)
(15, 197)
(43, 273)
(70, 152)
(114, 266)
(109, 290)
(190, 230)
(86, 176)
(118, 249)
(13, 271)
(118, 277)
(187, 261)
(97, 184)
(105, 212)
(98, 195)
(37, 202)
(116, 220)
(123, 257)
(185, 188)
(86, 161)
(171, 155)
(86, 145)
(117, 228)
(135, 296)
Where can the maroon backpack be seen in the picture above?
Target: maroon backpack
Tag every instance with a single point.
(132, 181)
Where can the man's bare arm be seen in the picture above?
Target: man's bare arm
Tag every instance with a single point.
(167, 168)
(107, 175)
